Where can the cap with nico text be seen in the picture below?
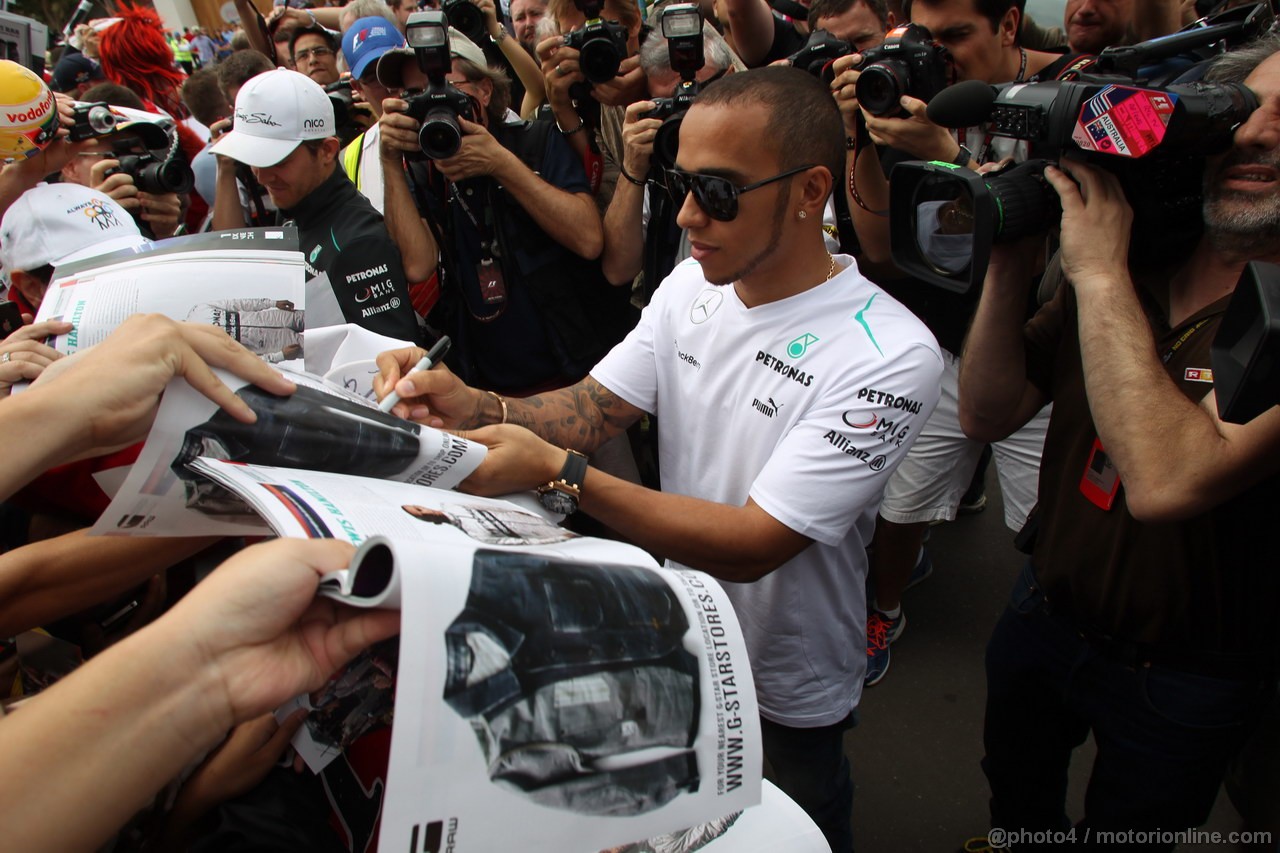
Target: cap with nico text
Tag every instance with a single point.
(59, 223)
(366, 40)
(275, 112)
(390, 67)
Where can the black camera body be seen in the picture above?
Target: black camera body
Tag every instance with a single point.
(91, 120)
(152, 175)
(439, 108)
(909, 62)
(465, 17)
(601, 44)
(817, 54)
(682, 28)
(342, 97)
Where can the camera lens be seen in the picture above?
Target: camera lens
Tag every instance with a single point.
(880, 87)
(440, 136)
(944, 224)
(600, 60)
(100, 120)
(466, 18)
(666, 143)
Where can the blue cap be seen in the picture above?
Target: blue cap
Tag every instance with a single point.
(366, 40)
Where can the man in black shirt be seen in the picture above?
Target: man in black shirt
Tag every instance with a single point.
(283, 130)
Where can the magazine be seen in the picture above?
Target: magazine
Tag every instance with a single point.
(248, 282)
(319, 427)
(568, 683)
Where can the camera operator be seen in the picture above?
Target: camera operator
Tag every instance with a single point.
(981, 38)
(283, 131)
(1149, 611)
(590, 114)
(631, 213)
(523, 302)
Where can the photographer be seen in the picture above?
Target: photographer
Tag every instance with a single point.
(980, 36)
(523, 303)
(590, 113)
(862, 23)
(631, 231)
(158, 214)
(1148, 612)
(362, 46)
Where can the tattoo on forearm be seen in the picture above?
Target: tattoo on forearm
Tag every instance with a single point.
(582, 416)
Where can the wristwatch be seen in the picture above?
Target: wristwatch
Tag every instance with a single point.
(963, 156)
(561, 494)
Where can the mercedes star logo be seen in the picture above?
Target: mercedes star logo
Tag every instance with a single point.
(706, 304)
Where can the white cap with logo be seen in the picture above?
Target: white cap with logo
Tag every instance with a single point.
(275, 112)
(59, 223)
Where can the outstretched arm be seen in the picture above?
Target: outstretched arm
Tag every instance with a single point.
(1143, 419)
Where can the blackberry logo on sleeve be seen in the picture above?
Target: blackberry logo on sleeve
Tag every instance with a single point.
(705, 304)
(788, 370)
(687, 358)
(798, 347)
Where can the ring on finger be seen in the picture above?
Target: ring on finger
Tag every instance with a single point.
(560, 70)
(4, 359)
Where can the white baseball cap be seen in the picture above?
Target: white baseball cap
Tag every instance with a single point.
(59, 223)
(275, 112)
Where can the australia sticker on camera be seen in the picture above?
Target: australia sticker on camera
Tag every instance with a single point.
(1124, 121)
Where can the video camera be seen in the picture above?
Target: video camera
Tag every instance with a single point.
(601, 44)
(944, 219)
(682, 28)
(442, 104)
(909, 62)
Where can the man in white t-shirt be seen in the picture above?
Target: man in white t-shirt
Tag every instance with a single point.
(788, 387)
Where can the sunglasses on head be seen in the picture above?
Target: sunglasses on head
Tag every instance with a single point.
(717, 196)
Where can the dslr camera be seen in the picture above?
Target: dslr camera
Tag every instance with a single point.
(466, 17)
(150, 173)
(909, 62)
(442, 104)
(345, 110)
(91, 120)
(682, 28)
(601, 44)
(818, 53)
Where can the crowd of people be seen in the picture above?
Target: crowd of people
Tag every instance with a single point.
(665, 260)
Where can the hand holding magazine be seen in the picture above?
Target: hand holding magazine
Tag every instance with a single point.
(566, 682)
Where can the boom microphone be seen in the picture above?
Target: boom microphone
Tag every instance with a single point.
(962, 105)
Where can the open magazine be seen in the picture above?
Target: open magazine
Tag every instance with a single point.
(319, 427)
(248, 282)
(567, 683)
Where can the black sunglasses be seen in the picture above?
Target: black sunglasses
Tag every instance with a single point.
(717, 196)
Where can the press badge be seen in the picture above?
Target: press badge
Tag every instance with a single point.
(1101, 480)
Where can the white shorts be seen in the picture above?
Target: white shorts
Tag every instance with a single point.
(936, 472)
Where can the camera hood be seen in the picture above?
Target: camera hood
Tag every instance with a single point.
(941, 223)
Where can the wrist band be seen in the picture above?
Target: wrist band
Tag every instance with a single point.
(581, 124)
(629, 178)
(502, 401)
